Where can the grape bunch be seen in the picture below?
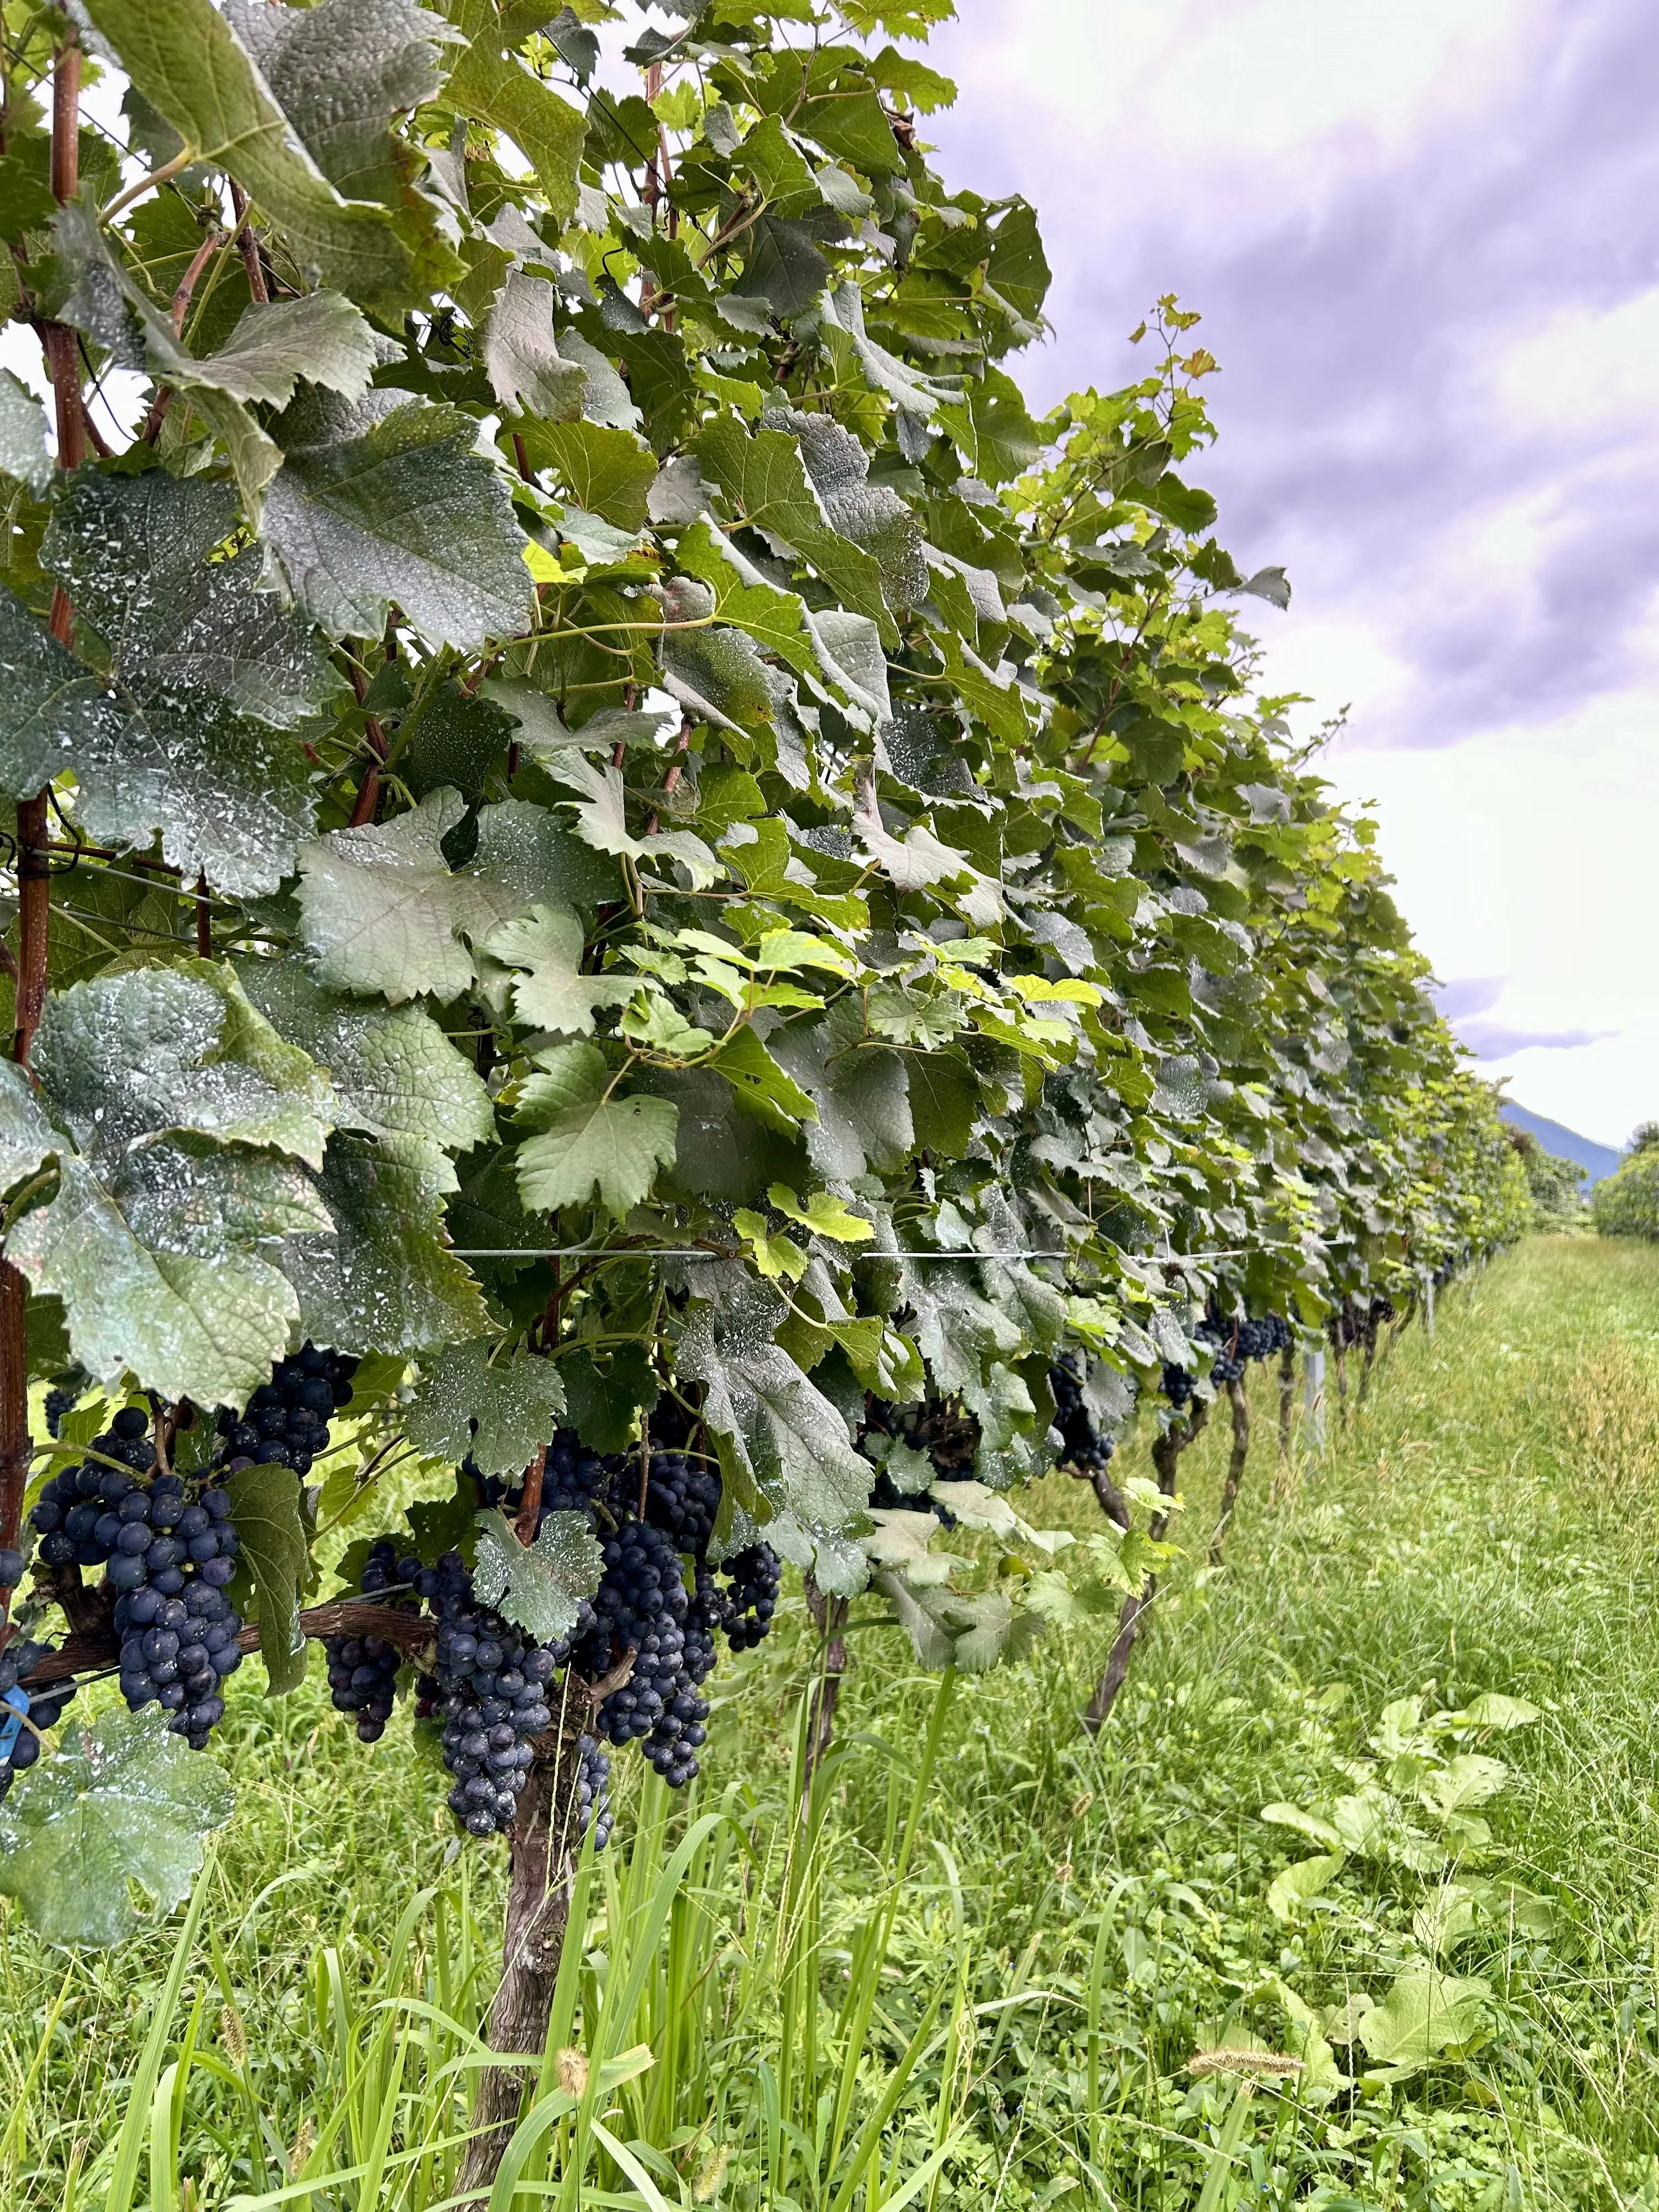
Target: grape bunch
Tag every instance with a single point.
(593, 1792)
(11, 1568)
(1086, 1451)
(179, 1631)
(363, 1670)
(285, 1423)
(81, 1513)
(1177, 1385)
(26, 1715)
(756, 1577)
(490, 1690)
(169, 1557)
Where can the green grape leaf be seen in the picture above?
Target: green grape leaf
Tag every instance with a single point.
(765, 1086)
(781, 1431)
(860, 1089)
(124, 1802)
(553, 993)
(608, 472)
(776, 620)
(186, 60)
(384, 499)
(851, 125)
(387, 1280)
(158, 1266)
(869, 515)
(27, 1139)
(493, 87)
(340, 72)
(766, 485)
(177, 1049)
(23, 435)
(497, 1416)
(142, 559)
(958, 1331)
(527, 372)
(945, 1101)
(202, 663)
(586, 1139)
(538, 856)
(320, 335)
(266, 1504)
(538, 1586)
(601, 813)
(782, 267)
(394, 1071)
(382, 910)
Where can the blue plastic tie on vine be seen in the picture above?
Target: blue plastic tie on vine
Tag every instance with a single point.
(12, 1727)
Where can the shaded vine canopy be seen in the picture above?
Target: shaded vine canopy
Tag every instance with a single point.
(736, 863)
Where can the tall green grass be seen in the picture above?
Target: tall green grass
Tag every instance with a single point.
(974, 1967)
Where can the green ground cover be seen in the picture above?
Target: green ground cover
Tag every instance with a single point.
(979, 1971)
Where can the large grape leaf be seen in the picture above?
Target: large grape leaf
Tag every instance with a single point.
(124, 1802)
(320, 335)
(201, 663)
(499, 1416)
(177, 1049)
(608, 472)
(492, 85)
(387, 1280)
(870, 515)
(157, 1262)
(382, 910)
(777, 1426)
(527, 373)
(385, 498)
(394, 1071)
(860, 1088)
(186, 60)
(23, 452)
(538, 1586)
(339, 70)
(587, 1138)
(766, 485)
(958, 1331)
(536, 853)
(266, 1504)
(550, 991)
(27, 1139)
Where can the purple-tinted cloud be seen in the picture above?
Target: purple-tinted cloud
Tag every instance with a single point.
(1493, 1041)
(1465, 995)
(1358, 321)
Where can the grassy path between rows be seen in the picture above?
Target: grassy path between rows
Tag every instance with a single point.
(997, 2002)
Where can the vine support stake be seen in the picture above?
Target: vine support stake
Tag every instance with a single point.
(1313, 1384)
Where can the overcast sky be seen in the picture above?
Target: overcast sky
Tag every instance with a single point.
(1424, 241)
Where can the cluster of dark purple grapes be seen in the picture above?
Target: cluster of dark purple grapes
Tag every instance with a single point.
(25, 1715)
(363, 1670)
(643, 1604)
(593, 1792)
(489, 1688)
(1353, 1324)
(168, 1557)
(1086, 1451)
(285, 1423)
(1234, 1344)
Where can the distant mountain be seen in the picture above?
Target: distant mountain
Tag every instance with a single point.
(1596, 1160)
